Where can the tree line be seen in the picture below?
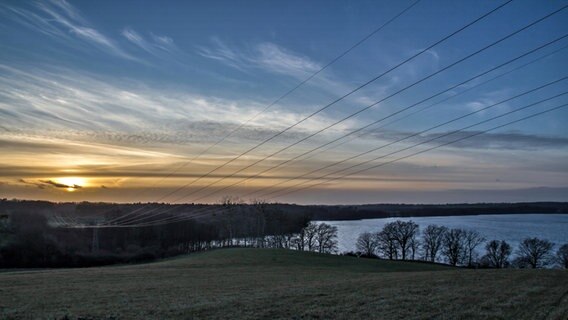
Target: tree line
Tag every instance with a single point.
(403, 240)
(317, 212)
(28, 240)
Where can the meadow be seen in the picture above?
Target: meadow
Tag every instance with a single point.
(282, 284)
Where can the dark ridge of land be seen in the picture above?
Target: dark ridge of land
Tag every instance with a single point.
(370, 211)
(283, 284)
(315, 212)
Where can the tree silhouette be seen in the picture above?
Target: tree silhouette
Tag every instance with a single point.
(535, 252)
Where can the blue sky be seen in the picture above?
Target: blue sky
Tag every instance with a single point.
(119, 94)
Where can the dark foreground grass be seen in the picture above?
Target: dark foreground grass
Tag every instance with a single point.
(265, 283)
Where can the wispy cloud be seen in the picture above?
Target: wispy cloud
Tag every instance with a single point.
(42, 184)
(60, 185)
(64, 16)
(265, 55)
(32, 183)
(275, 59)
(62, 22)
(34, 21)
(420, 66)
(507, 141)
(490, 98)
(225, 54)
(490, 140)
(66, 104)
(162, 47)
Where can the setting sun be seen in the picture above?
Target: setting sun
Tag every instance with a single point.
(72, 183)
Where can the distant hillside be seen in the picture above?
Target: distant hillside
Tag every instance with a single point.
(315, 212)
(369, 211)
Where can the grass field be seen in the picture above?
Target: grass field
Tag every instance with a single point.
(268, 283)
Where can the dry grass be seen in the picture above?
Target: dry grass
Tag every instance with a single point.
(256, 283)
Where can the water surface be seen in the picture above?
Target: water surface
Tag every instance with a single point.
(512, 228)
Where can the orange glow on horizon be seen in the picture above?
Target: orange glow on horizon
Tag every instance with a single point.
(72, 183)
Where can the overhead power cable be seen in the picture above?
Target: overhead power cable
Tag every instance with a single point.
(413, 113)
(431, 75)
(381, 119)
(510, 35)
(157, 223)
(367, 107)
(374, 130)
(422, 132)
(327, 106)
(416, 145)
(289, 92)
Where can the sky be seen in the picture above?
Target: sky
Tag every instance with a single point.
(127, 101)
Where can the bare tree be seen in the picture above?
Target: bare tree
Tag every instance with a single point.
(366, 244)
(308, 237)
(453, 246)
(432, 240)
(386, 243)
(414, 247)
(326, 237)
(472, 240)
(562, 256)
(404, 234)
(535, 252)
(497, 253)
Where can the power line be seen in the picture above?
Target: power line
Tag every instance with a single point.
(431, 105)
(181, 219)
(311, 76)
(336, 101)
(431, 75)
(429, 129)
(370, 106)
(287, 93)
(510, 35)
(382, 119)
(438, 102)
(421, 143)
